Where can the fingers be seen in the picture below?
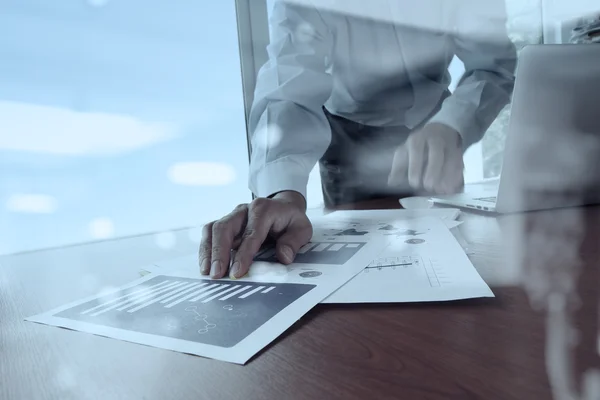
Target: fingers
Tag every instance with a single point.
(246, 229)
(218, 239)
(416, 159)
(205, 249)
(453, 178)
(291, 241)
(260, 221)
(399, 167)
(432, 179)
(429, 162)
(290, 227)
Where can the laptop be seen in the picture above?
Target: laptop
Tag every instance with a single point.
(552, 151)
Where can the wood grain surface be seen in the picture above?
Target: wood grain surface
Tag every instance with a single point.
(543, 268)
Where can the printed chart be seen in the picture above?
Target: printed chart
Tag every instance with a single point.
(204, 311)
(365, 228)
(422, 262)
(404, 262)
(391, 230)
(336, 253)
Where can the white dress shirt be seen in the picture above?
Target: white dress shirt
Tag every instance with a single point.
(375, 62)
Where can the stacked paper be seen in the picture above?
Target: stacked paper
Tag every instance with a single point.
(353, 257)
(422, 260)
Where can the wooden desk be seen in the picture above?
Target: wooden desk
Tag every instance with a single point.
(497, 348)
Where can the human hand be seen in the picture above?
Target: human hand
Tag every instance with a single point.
(432, 159)
(282, 219)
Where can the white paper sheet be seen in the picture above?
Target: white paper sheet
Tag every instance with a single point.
(229, 320)
(423, 263)
(448, 215)
(452, 224)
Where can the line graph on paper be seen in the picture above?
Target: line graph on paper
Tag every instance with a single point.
(199, 310)
(430, 268)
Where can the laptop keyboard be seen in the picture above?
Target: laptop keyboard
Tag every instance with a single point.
(488, 199)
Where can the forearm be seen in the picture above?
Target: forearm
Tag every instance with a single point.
(288, 129)
(477, 101)
(489, 57)
(287, 142)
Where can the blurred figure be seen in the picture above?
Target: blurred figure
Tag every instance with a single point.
(587, 31)
(362, 87)
(560, 276)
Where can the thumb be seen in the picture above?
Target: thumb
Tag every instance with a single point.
(399, 172)
(290, 242)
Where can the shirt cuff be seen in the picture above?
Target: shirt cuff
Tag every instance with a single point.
(456, 117)
(278, 176)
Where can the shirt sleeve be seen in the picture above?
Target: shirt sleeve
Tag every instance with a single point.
(481, 42)
(289, 131)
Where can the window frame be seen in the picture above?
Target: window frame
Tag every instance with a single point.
(253, 39)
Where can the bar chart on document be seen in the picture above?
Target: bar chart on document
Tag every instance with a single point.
(415, 265)
(200, 310)
(336, 253)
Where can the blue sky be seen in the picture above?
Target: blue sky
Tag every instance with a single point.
(117, 120)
